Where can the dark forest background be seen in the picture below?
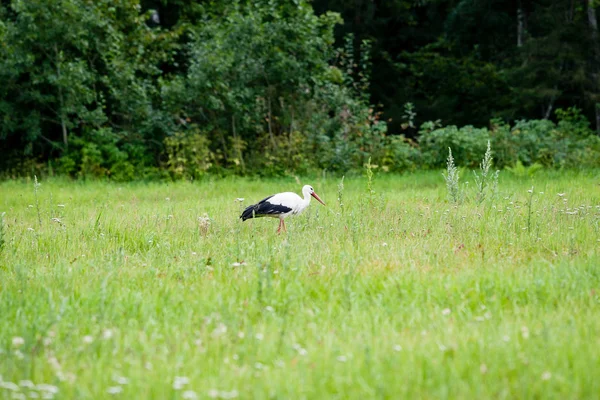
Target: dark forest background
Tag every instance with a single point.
(131, 89)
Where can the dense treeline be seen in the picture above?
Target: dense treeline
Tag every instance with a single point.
(130, 89)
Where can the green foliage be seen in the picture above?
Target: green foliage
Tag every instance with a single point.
(188, 155)
(567, 144)
(137, 89)
(468, 143)
(401, 155)
(522, 171)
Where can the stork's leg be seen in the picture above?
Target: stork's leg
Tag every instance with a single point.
(284, 228)
(279, 228)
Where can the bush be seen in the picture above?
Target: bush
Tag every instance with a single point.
(188, 155)
(467, 144)
(401, 155)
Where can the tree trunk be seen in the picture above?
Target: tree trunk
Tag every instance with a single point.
(61, 111)
(550, 107)
(591, 13)
(63, 122)
(237, 144)
(269, 122)
(595, 53)
(520, 24)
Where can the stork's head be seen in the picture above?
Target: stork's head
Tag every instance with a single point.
(308, 190)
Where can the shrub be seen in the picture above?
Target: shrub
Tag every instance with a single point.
(467, 144)
(188, 155)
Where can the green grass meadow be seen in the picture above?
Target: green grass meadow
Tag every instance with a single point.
(159, 291)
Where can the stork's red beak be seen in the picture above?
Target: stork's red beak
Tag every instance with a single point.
(313, 194)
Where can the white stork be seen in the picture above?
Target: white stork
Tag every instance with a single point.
(281, 205)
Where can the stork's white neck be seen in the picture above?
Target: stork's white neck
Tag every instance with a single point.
(307, 196)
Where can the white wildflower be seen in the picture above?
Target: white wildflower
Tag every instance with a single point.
(43, 387)
(18, 341)
(397, 347)
(220, 330)
(259, 336)
(342, 359)
(107, 334)
(229, 395)
(121, 380)
(546, 375)
(26, 384)
(213, 393)
(446, 311)
(88, 339)
(114, 390)
(189, 395)
(180, 382)
(10, 386)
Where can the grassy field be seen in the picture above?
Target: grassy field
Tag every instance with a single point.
(159, 291)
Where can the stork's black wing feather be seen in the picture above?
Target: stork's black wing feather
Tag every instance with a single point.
(263, 208)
